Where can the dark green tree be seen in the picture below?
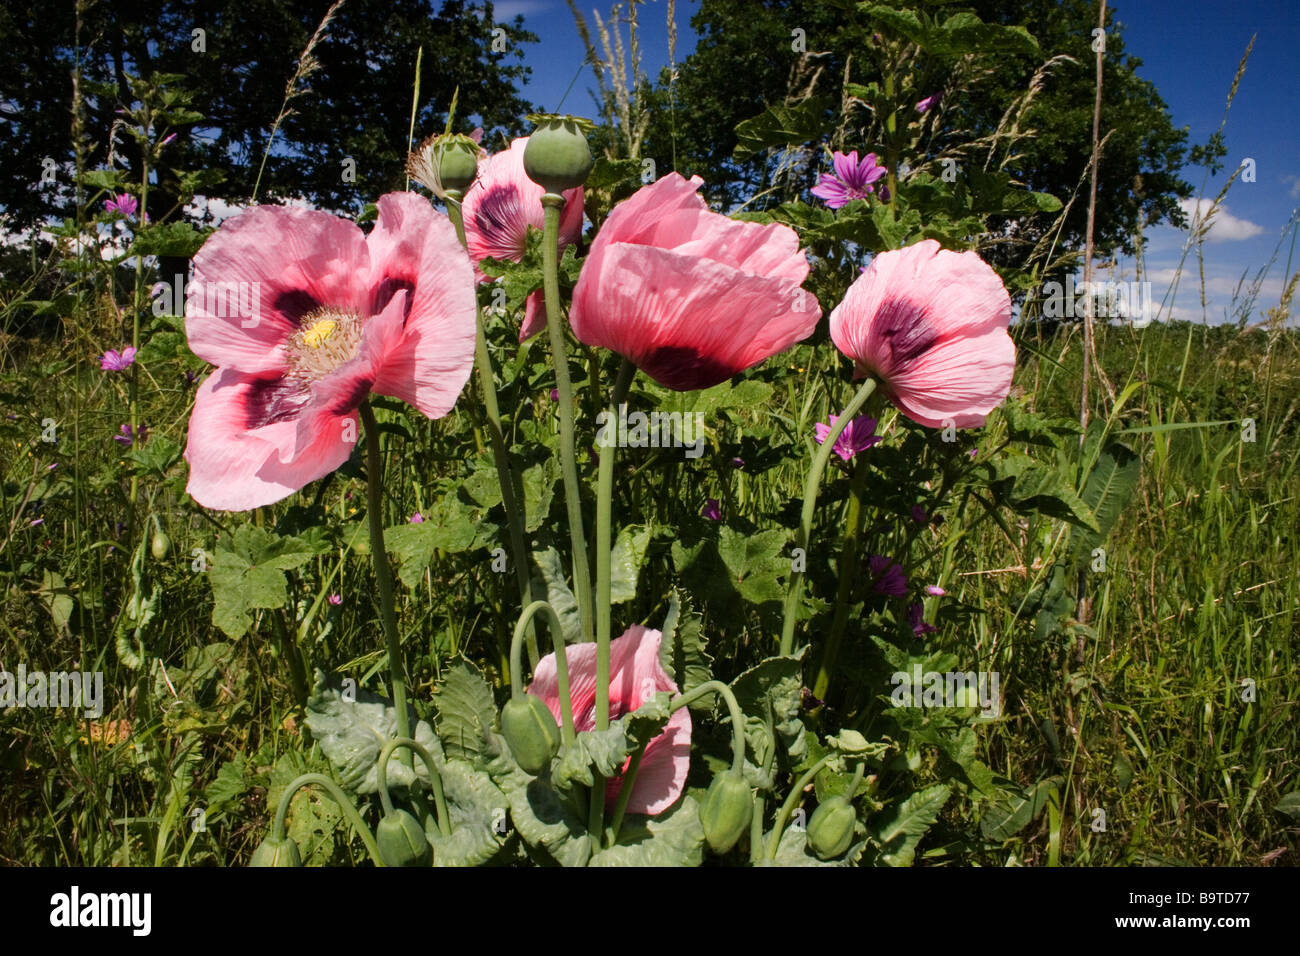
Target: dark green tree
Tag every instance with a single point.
(748, 59)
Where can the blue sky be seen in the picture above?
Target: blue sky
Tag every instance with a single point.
(1190, 50)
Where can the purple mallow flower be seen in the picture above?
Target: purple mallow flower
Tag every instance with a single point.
(124, 205)
(851, 180)
(128, 438)
(417, 518)
(887, 577)
(711, 510)
(926, 104)
(934, 590)
(115, 361)
(919, 515)
(858, 435)
(336, 600)
(916, 618)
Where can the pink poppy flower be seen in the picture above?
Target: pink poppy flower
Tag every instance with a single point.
(851, 180)
(498, 209)
(115, 361)
(689, 296)
(858, 435)
(317, 315)
(635, 675)
(931, 324)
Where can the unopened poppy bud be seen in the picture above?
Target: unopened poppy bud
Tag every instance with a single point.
(276, 851)
(402, 841)
(531, 731)
(445, 162)
(726, 811)
(160, 545)
(558, 157)
(830, 829)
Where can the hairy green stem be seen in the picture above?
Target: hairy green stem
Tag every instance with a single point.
(810, 489)
(383, 571)
(341, 798)
(782, 815)
(848, 561)
(567, 730)
(511, 492)
(604, 503)
(568, 458)
(435, 778)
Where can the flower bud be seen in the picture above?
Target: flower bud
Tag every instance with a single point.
(276, 851)
(531, 732)
(726, 811)
(830, 830)
(445, 162)
(160, 545)
(558, 157)
(402, 841)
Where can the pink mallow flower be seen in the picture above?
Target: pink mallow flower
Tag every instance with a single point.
(115, 361)
(417, 518)
(499, 207)
(851, 179)
(687, 295)
(932, 326)
(124, 205)
(635, 674)
(858, 435)
(711, 510)
(325, 316)
(916, 618)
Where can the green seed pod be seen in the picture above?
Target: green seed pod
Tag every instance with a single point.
(557, 156)
(830, 830)
(160, 545)
(276, 852)
(726, 811)
(457, 162)
(402, 841)
(531, 732)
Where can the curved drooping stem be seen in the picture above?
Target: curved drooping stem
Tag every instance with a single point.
(551, 203)
(510, 496)
(567, 731)
(783, 814)
(383, 571)
(810, 489)
(435, 778)
(341, 798)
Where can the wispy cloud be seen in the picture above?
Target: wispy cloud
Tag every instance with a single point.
(1224, 226)
(509, 9)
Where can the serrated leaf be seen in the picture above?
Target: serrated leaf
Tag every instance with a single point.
(771, 694)
(247, 574)
(1025, 484)
(539, 489)
(607, 751)
(351, 734)
(625, 562)
(673, 838)
(898, 829)
(476, 808)
(467, 712)
(227, 787)
(682, 650)
(1007, 816)
(1107, 491)
(549, 579)
(782, 125)
(545, 820)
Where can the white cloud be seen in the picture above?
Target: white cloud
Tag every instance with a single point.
(1224, 226)
(509, 9)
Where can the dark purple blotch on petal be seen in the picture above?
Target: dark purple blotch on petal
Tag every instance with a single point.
(272, 400)
(684, 368)
(907, 334)
(389, 287)
(295, 304)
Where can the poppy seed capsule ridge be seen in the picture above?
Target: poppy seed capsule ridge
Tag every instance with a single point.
(558, 156)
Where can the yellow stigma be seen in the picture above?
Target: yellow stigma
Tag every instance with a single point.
(319, 333)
